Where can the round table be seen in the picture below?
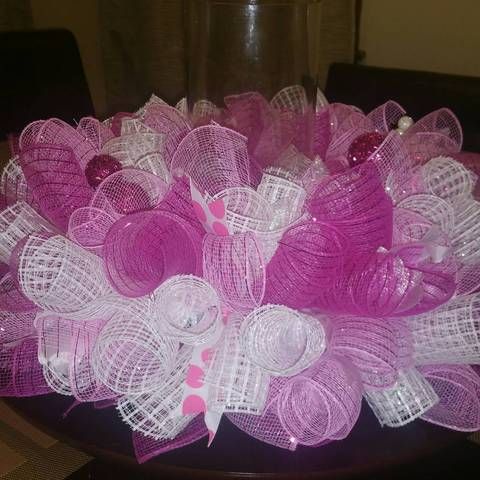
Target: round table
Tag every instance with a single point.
(233, 454)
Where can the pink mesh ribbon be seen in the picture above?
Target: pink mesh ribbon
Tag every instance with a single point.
(458, 388)
(55, 132)
(310, 256)
(357, 205)
(143, 249)
(97, 133)
(17, 313)
(20, 373)
(373, 347)
(147, 448)
(56, 181)
(320, 404)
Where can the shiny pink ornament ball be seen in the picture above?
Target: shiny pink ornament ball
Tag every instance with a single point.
(100, 167)
(363, 147)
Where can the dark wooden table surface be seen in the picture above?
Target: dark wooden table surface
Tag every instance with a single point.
(369, 449)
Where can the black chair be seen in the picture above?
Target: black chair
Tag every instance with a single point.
(418, 92)
(42, 76)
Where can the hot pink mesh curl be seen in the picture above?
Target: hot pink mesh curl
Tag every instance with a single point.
(147, 448)
(20, 373)
(56, 181)
(356, 203)
(143, 249)
(309, 257)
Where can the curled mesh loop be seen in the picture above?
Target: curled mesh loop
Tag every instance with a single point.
(309, 257)
(88, 227)
(16, 222)
(449, 334)
(154, 413)
(214, 157)
(236, 384)
(458, 387)
(371, 345)
(127, 191)
(410, 397)
(60, 276)
(448, 179)
(188, 309)
(142, 250)
(233, 265)
(56, 181)
(282, 341)
(130, 356)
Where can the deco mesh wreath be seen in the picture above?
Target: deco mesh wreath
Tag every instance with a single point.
(185, 267)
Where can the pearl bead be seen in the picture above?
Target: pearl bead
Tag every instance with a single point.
(404, 123)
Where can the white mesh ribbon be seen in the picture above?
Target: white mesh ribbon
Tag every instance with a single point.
(236, 384)
(16, 222)
(285, 197)
(433, 208)
(153, 413)
(466, 232)
(60, 276)
(127, 191)
(12, 182)
(449, 334)
(187, 309)
(246, 210)
(292, 98)
(448, 179)
(127, 149)
(64, 351)
(408, 399)
(282, 341)
(130, 355)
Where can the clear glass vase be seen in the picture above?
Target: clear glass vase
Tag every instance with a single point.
(237, 46)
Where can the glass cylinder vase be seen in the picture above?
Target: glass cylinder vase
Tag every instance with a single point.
(237, 46)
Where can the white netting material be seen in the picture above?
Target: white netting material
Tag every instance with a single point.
(236, 384)
(55, 337)
(156, 413)
(127, 149)
(88, 227)
(466, 233)
(285, 197)
(58, 275)
(433, 208)
(448, 179)
(12, 182)
(408, 399)
(292, 99)
(187, 309)
(154, 162)
(234, 266)
(282, 341)
(127, 191)
(16, 222)
(246, 210)
(130, 355)
(449, 334)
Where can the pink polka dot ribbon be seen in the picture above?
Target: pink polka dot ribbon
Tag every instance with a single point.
(212, 215)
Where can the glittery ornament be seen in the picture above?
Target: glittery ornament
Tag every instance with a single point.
(100, 167)
(364, 146)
